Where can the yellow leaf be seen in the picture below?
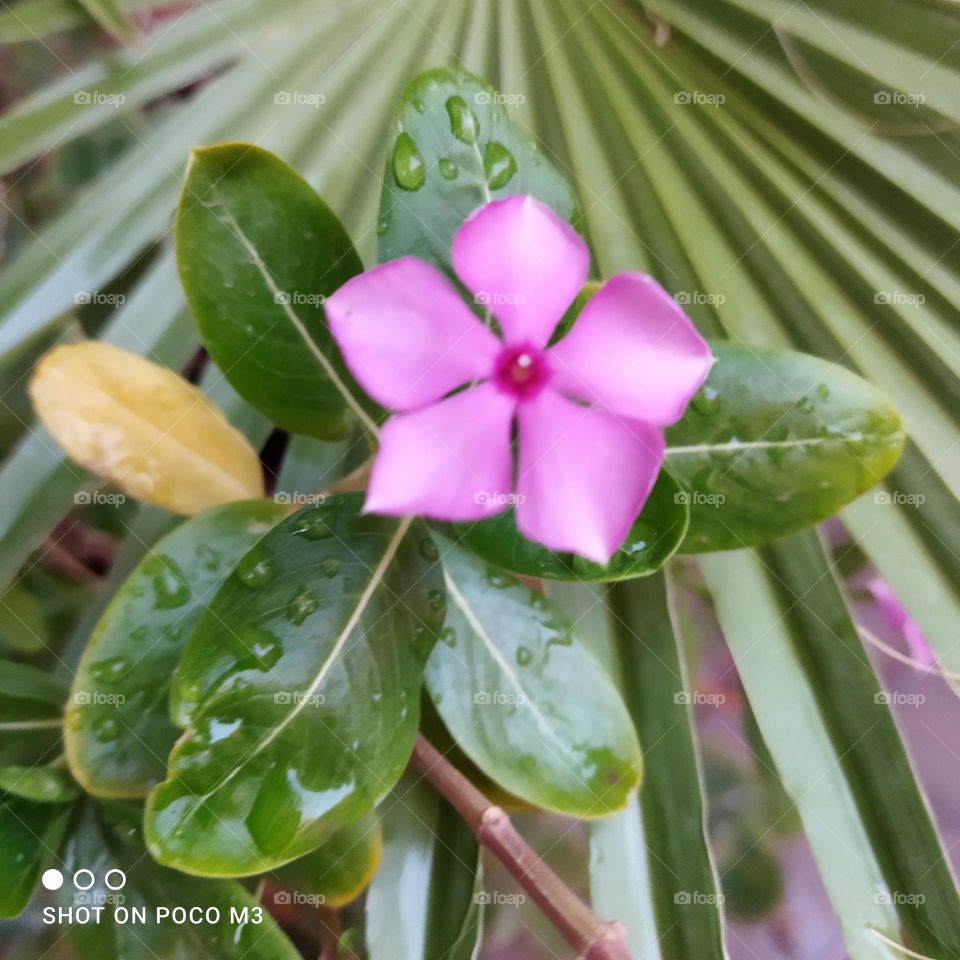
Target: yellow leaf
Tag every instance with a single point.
(143, 428)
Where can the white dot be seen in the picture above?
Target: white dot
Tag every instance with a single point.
(52, 879)
(84, 873)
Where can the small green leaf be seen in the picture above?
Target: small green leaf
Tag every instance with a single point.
(28, 832)
(774, 442)
(501, 679)
(299, 689)
(258, 252)
(108, 837)
(118, 729)
(455, 148)
(654, 537)
(339, 870)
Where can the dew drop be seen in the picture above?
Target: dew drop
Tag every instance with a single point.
(448, 636)
(109, 671)
(314, 528)
(498, 165)
(463, 123)
(106, 729)
(254, 571)
(330, 566)
(496, 579)
(707, 401)
(170, 589)
(383, 225)
(419, 105)
(407, 163)
(436, 600)
(428, 549)
(448, 169)
(524, 656)
(301, 606)
(823, 391)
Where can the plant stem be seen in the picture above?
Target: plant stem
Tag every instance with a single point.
(592, 937)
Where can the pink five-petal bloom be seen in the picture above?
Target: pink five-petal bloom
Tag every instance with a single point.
(589, 411)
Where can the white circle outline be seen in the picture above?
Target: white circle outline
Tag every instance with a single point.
(123, 879)
(76, 882)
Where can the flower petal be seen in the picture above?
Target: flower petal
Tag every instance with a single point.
(633, 351)
(584, 475)
(407, 336)
(522, 261)
(450, 461)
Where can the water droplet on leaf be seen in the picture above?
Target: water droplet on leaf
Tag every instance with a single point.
(463, 123)
(499, 165)
(407, 163)
(448, 169)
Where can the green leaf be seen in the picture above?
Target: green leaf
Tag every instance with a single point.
(423, 902)
(654, 537)
(299, 689)
(673, 875)
(28, 835)
(339, 870)
(23, 628)
(118, 729)
(258, 251)
(502, 680)
(829, 730)
(31, 708)
(41, 784)
(776, 441)
(108, 837)
(455, 147)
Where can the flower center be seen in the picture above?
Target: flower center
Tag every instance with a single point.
(522, 370)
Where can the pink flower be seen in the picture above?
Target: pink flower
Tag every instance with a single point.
(898, 619)
(589, 411)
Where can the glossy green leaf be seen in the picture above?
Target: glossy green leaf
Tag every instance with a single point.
(31, 708)
(654, 537)
(423, 903)
(28, 838)
(829, 729)
(108, 837)
(23, 628)
(664, 846)
(501, 680)
(299, 690)
(774, 442)
(118, 729)
(454, 147)
(258, 251)
(339, 870)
